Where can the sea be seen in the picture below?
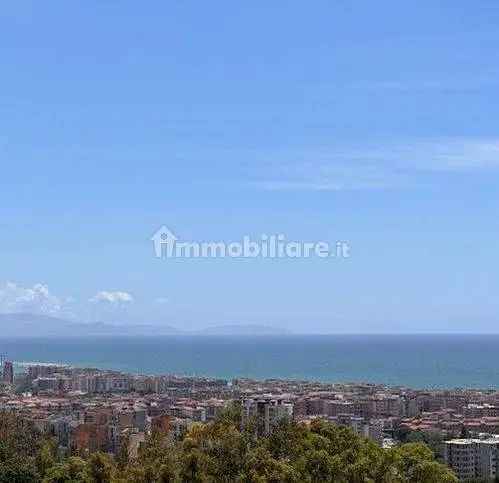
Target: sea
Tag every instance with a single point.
(418, 361)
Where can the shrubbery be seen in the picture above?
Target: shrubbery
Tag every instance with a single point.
(220, 452)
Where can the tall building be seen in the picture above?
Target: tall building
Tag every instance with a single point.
(473, 458)
(461, 455)
(8, 372)
(372, 428)
(266, 412)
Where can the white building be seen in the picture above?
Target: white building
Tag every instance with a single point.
(473, 458)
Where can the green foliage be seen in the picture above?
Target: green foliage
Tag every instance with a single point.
(222, 452)
(72, 470)
(47, 456)
(15, 468)
(101, 468)
(19, 435)
(230, 414)
(19, 446)
(431, 439)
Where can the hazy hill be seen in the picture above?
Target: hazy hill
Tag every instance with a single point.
(249, 330)
(31, 325)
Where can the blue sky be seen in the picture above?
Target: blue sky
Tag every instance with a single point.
(375, 123)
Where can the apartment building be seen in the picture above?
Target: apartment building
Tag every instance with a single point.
(372, 429)
(267, 412)
(473, 458)
(8, 372)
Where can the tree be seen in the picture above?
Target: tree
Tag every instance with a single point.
(419, 466)
(16, 468)
(261, 467)
(71, 470)
(223, 452)
(47, 456)
(19, 435)
(19, 446)
(101, 468)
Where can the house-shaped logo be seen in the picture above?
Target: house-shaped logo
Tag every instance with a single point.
(163, 241)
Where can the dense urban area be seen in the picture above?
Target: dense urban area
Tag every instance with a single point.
(83, 412)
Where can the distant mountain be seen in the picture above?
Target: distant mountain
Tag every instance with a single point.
(32, 325)
(249, 330)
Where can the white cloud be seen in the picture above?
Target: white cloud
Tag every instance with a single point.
(459, 155)
(113, 298)
(162, 300)
(36, 299)
(379, 166)
(404, 85)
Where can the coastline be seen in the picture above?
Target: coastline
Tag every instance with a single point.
(416, 361)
